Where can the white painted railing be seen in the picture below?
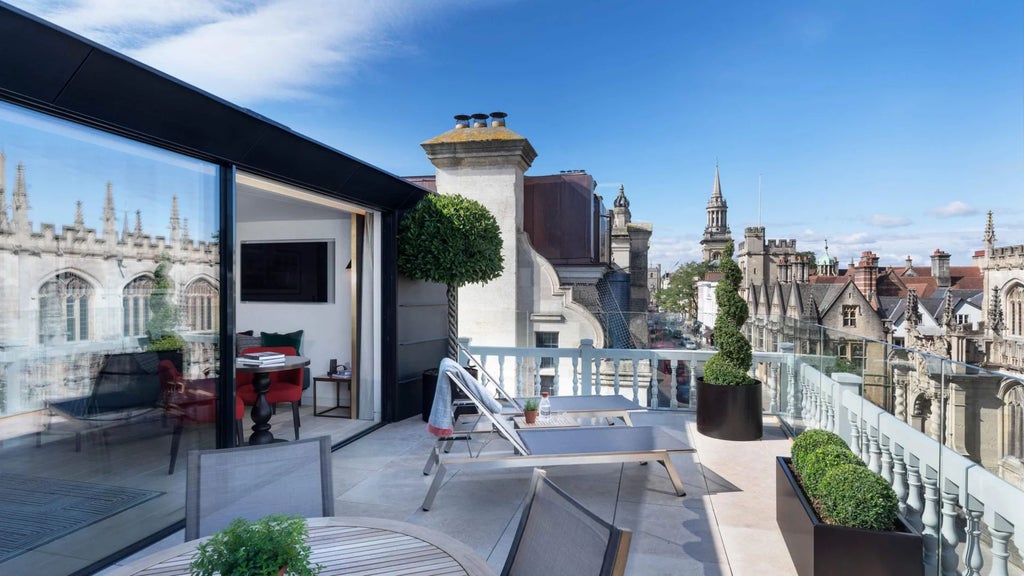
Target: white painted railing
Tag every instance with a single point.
(937, 488)
(589, 370)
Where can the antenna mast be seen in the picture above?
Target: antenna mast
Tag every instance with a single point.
(758, 199)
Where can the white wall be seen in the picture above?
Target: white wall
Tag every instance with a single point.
(327, 327)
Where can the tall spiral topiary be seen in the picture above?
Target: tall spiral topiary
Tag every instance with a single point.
(451, 240)
(730, 365)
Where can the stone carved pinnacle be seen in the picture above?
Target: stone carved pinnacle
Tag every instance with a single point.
(995, 312)
(990, 231)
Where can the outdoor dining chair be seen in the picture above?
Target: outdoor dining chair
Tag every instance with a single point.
(253, 481)
(558, 535)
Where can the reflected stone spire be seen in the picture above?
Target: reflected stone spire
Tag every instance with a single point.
(175, 221)
(138, 223)
(20, 208)
(5, 225)
(184, 232)
(124, 228)
(79, 219)
(990, 232)
(109, 217)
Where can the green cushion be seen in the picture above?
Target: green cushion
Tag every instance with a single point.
(293, 339)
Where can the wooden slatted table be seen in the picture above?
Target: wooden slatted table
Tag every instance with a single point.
(351, 545)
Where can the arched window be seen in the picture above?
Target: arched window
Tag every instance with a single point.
(135, 302)
(1014, 304)
(202, 300)
(64, 309)
(1013, 422)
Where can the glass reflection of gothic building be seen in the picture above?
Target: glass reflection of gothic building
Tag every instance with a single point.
(89, 292)
(126, 201)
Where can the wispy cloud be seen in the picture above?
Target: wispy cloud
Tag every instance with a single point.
(886, 221)
(953, 209)
(246, 51)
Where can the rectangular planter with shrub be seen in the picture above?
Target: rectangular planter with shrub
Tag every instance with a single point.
(821, 549)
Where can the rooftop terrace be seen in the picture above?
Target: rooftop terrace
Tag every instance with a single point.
(724, 525)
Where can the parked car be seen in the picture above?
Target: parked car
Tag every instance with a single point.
(689, 344)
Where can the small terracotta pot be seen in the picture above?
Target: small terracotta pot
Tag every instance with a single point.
(530, 416)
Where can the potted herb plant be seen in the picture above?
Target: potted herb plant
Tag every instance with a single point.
(838, 517)
(272, 545)
(729, 400)
(450, 240)
(530, 409)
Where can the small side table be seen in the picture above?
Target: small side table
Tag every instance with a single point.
(353, 393)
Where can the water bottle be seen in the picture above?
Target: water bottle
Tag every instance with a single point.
(544, 410)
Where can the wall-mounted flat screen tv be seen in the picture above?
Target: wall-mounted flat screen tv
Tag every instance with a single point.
(285, 271)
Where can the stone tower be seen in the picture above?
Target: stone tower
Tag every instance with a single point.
(716, 232)
(485, 161)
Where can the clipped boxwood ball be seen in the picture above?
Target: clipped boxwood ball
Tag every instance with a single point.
(820, 462)
(855, 497)
(810, 440)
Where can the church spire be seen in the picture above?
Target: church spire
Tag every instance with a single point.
(138, 223)
(717, 191)
(716, 232)
(79, 219)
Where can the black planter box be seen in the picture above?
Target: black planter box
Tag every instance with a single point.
(729, 412)
(820, 549)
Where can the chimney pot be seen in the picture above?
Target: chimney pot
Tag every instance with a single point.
(479, 120)
(498, 119)
(461, 121)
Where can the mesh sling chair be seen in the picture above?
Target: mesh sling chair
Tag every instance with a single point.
(558, 535)
(253, 481)
(555, 446)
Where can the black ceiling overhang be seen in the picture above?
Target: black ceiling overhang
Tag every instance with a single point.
(58, 71)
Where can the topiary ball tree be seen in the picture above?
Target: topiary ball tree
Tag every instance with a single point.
(730, 365)
(809, 441)
(821, 462)
(450, 240)
(855, 497)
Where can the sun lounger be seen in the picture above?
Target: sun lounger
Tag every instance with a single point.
(556, 446)
(127, 387)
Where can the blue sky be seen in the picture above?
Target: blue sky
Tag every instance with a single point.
(884, 126)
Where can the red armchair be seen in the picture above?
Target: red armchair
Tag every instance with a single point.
(285, 385)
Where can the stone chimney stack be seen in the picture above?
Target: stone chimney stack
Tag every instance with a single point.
(800, 271)
(940, 268)
(910, 262)
(866, 275)
(487, 163)
(784, 270)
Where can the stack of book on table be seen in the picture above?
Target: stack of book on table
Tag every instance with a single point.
(261, 359)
